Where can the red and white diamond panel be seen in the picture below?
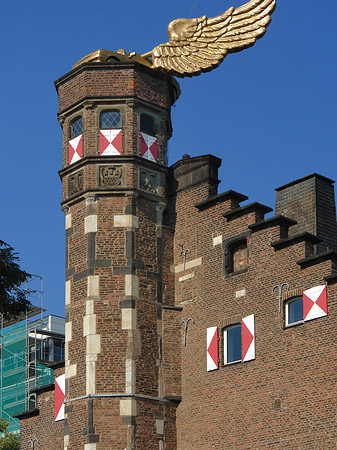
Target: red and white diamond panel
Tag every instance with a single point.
(110, 142)
(75, 149)
(315, 303)
(148, 147)
(248, 338)
(212, 349)
(59, 397)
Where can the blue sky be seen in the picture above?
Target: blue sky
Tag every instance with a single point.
(269, 112)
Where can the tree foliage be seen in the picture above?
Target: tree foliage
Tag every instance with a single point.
(9, 441)
(13, 298)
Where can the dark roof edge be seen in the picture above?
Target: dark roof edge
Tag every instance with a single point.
(221, 198)
(331, 279)
(27, 414)
(271, 222)
(187, 160)
(301, 237)
(238, 212)
(299, 180)
(317, 259)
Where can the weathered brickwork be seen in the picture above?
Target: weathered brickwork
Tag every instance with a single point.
(155, 257)
(282, 399)
(40, 424)
(116, 267)
(311, 202)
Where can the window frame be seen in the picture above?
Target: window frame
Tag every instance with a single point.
(228, 246)
(286, 309)
(225, 343)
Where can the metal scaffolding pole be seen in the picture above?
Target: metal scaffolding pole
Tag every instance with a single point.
(2, 355)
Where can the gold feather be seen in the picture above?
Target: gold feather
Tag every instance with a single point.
(199, 45)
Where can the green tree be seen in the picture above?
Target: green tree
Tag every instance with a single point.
(9, 441)
(13, 298)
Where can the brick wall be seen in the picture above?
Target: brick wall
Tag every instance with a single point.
(40, 424)
(311, 202)
(282, 399)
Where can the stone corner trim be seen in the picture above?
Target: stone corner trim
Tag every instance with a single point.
(70, 371)
(68, 221)
(93, 286)
(128, 407)
(90, 224)
(126, 221)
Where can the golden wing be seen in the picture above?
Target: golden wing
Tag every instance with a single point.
(200, 45)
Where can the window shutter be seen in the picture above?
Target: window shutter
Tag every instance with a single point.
(212, 349)
(248, 338)
(111, 142)
(315, 303)
(75, 149)
(59, 397)
(148, 147)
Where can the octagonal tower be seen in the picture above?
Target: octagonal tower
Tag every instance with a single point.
(116, 123)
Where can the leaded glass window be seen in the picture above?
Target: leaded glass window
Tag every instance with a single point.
(111, 119)
(76, 127)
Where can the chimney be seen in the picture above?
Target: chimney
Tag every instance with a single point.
(311, 202)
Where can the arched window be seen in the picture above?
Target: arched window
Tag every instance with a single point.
(147, 125)
(76, 127)
(236, 254)
(232, 343)
(110, 119)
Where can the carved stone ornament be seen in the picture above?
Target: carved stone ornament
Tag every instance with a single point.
(111, 175)
(61, 118)
(149, 181)
(75, 183)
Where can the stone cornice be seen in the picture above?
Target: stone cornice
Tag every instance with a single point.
(244, 210)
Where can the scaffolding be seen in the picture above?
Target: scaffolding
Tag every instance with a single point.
(26, 347)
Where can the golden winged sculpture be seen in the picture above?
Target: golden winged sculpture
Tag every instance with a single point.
(200, 45)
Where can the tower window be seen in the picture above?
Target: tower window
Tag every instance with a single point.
(76, 127)
(111, 119)
(236, 253)
(232, 344)
(147, 125)
(294, 311)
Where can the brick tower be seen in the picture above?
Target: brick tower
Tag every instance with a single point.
(115, 118)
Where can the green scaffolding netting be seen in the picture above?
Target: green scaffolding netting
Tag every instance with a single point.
(20, 371)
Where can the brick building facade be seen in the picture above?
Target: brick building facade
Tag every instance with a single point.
(188, 317)
(38, 425)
